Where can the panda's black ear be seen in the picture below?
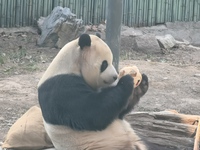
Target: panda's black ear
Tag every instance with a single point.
(98, 34)
(84, 40)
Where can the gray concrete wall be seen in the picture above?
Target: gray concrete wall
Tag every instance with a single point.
(181, 31)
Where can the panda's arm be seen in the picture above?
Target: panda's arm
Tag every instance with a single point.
(68, 100)
(137, 94)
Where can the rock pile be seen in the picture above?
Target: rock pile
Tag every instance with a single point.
(58, 28)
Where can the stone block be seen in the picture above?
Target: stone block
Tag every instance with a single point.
(146, 43)
(166, 42)
(58, 28)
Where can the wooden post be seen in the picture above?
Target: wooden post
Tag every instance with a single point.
(113, 28)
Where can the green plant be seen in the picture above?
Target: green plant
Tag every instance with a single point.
(1, 59)
(18, 54)
(31, 67)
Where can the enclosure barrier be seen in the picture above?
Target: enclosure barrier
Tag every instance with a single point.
(137, 13)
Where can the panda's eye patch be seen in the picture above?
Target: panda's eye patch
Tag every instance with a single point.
(104, 65)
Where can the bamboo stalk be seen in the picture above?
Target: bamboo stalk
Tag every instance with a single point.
(3, 17)
(135, 12)
(24, 12)
(21, 13)
(13, 14)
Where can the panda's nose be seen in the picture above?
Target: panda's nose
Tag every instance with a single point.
(115, 78)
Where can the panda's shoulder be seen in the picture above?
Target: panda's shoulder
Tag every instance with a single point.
(63, 81)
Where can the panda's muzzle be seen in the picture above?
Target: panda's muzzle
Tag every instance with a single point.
(105, 82)
(114, 78)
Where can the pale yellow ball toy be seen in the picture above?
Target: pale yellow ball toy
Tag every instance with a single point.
(134, 72)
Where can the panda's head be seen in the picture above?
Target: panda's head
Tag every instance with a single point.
(96, 62)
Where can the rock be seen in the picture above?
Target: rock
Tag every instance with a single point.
(58, 28)
(131, 32)
(179, 25)
(186, 42)
(165, 78)
(179, 30)
(196, 75)
(40, 22)
(194, 36)
(102, 28)
(2, 118)
(194, 47)
(68, 32)
(146, 43)
(185, 31)
(197, 25)
(166, 42)
(157, 27)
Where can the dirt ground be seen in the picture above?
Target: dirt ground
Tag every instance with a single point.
(174, 76)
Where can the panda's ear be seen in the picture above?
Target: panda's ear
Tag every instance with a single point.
(98, 34)
(84, 40)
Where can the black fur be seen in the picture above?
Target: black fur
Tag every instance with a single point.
(137, 94)
(98, 35)
(84, 40)
(68, 100)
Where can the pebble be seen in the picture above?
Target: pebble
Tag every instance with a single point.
(196, 75)
(165, 78)
(9, 109)
(9, 124)
(2, 118)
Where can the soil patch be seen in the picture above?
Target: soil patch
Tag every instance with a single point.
(174, 76)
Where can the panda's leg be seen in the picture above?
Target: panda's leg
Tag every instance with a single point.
(117, 136)
(136, 142)
(62, 137)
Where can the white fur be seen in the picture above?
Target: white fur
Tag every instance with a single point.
(62, 63)
(117, 136)
(85, 63)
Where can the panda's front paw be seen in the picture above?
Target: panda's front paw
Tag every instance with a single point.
(126, 83)
(137, 93)
(143, 87)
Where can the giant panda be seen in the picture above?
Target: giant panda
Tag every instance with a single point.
(80, 108)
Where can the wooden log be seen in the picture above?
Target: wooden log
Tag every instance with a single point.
(166, 129)
(196, 142)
